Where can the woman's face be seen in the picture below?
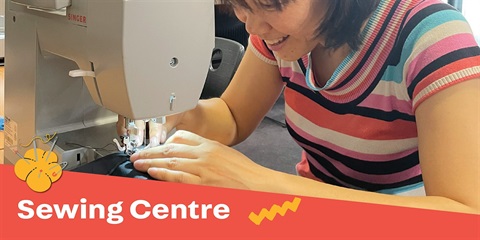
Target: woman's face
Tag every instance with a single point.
(291, 32)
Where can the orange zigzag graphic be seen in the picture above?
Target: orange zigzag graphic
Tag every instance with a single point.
(274, 210)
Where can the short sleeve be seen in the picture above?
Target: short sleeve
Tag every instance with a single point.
(257, 45)
(444, 53)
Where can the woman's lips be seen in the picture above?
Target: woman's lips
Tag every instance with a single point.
(276, 45)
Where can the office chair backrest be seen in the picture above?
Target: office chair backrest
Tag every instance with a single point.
(226, 57)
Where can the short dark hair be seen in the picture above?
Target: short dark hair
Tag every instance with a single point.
(342, 23)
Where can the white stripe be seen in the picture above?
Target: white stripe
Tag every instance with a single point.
(289, 64)
(391, 88)
(260, 55)
(349, 142)
(417, 192)
(433, 36)
(387, 34)
(445, 80)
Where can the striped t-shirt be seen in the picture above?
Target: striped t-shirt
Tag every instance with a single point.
(359, 130)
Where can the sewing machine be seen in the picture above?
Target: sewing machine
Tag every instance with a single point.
(73, 65)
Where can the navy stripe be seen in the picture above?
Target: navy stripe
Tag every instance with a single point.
(372, 47)
(442, 62)
(359, 165)
(383, 115)
(419, 17)
(396, 53)
(350, 108)
(302, 66)
(322, 176)
(410, 25)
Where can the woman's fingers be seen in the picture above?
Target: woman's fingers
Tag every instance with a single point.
(157, 133)
(174, 164)
(173, 176)
(179, 170)
(185, 137)
(166, 151)
(180, 159)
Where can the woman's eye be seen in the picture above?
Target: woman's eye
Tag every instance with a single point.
(268, 5)
(271, 5)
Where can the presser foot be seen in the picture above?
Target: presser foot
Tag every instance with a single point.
(128, 147)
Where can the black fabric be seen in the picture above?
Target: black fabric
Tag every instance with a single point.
(116, 164)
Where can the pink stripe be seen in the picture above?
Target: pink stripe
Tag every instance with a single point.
(305, 60)
(348, 152)
(419, 8)
(303, 169)
(359, 55)
(324, 171)
(295, 77)
(387, 103)
(437, 50)
(393, 27)
(371, 178)
(379, 54)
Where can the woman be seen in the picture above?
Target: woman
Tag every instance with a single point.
(382, 95)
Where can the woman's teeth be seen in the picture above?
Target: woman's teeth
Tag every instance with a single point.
(277, 41)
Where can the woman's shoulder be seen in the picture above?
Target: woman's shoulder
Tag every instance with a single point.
(258, 46)
(433, 16)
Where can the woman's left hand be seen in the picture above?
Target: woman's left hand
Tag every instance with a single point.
(188, 158)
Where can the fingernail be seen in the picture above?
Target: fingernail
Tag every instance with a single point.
(134, 156)
(153, 170)
(138, 164)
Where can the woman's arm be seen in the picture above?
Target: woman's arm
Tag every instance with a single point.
(449, 143)
(449, 146)
(234, 116)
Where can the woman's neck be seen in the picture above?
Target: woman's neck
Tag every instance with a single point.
(325, 61)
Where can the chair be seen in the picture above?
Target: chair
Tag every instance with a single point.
(226, 57)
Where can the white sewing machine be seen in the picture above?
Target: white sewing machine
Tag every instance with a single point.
(72, 65)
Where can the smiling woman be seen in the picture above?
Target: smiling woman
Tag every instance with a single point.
(375, 107)
(341, 23)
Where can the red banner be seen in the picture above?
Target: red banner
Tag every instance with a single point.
(87, 206)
